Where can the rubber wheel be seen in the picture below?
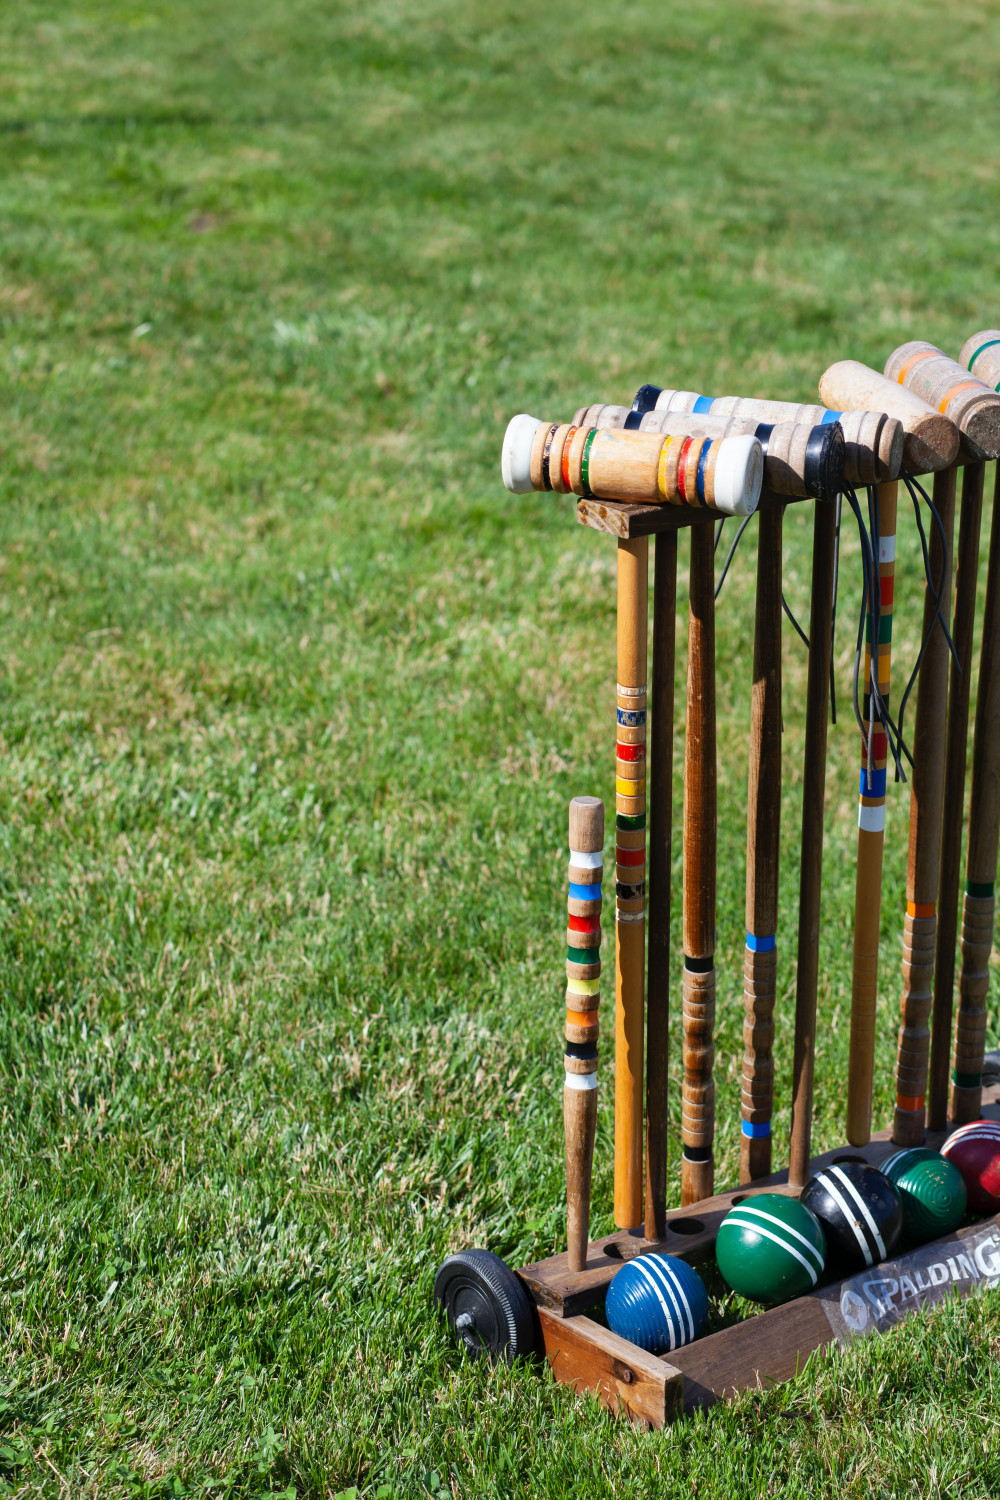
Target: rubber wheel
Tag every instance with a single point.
(488, 1310)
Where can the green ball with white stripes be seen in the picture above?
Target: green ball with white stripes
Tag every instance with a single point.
(771, 1248)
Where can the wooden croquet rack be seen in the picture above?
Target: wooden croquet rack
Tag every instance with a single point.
(774, 1345)
(755, 1354)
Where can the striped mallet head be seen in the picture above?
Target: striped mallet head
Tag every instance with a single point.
(951, 389)
(931, 440)
(799, 460)
(636, 467)
(873, 441)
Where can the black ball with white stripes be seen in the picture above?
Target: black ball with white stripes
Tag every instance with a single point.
(861, 1213)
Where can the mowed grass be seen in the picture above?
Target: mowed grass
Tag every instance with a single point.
(295, 698)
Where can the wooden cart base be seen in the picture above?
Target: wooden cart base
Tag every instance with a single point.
(765, 1349)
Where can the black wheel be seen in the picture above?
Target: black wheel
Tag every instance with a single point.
(487, 1307)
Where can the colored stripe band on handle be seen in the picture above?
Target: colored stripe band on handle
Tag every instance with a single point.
(632, 718)
(583, 986)
(761, 944)
(699, 965)
(873, 786)
(632, 788)
(872, 819)
(583, 955)
(830, 417)
(915, 360)
(968, 385)
(661, 470)
(630, 752)
(697, 1153)
(980, 888)
(700, 477)
(585, 892)
(585, 461)
(968, 1080)
(586, 859)
(630, 692)
(921, 908)
(910, 1105)
(703, 405)
(756, 1132)
(982, 350)
(581, 1081)
(584, 924)
(630, 822)
(565, 456)
(682, 464)
(582, 1018)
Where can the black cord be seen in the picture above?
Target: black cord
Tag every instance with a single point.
(736, 541)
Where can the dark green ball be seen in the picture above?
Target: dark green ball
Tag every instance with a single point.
(900, 1160)
(934, 1198)
(771, 1248)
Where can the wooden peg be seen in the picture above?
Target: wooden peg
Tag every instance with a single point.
(586, 842)
(932, 439)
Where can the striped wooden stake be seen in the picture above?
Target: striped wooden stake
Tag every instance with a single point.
(956, 743)
(698, 982)
(924, 860)
(811, 862)
(630, 872)
(660, 832)
(583, 984)
(871, 838)
(760, 960)
(981, 858)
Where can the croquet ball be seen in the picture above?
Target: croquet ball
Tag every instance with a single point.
(975, 1150)
(934, 1199)
(860, 1211)
(900, 1160)
(770, 1248)
(657, 1302)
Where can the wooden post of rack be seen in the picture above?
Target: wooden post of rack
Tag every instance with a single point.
(924, 858)
(660, 780)
(760, 958)
(630, 894)
(811, 859)
(698, 985)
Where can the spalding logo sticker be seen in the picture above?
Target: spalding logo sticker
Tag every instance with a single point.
(876, 1299)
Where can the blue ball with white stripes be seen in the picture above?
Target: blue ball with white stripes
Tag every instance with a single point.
(861, 1212)
(657, 1302)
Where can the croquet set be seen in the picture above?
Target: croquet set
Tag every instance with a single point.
(844, 1244)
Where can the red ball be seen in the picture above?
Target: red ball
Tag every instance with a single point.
(975, 1151)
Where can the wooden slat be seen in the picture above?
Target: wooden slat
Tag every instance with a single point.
(619, 519)
(690, 1231)
(627, 1380)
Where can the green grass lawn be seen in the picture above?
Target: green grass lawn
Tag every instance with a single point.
(295, 697)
